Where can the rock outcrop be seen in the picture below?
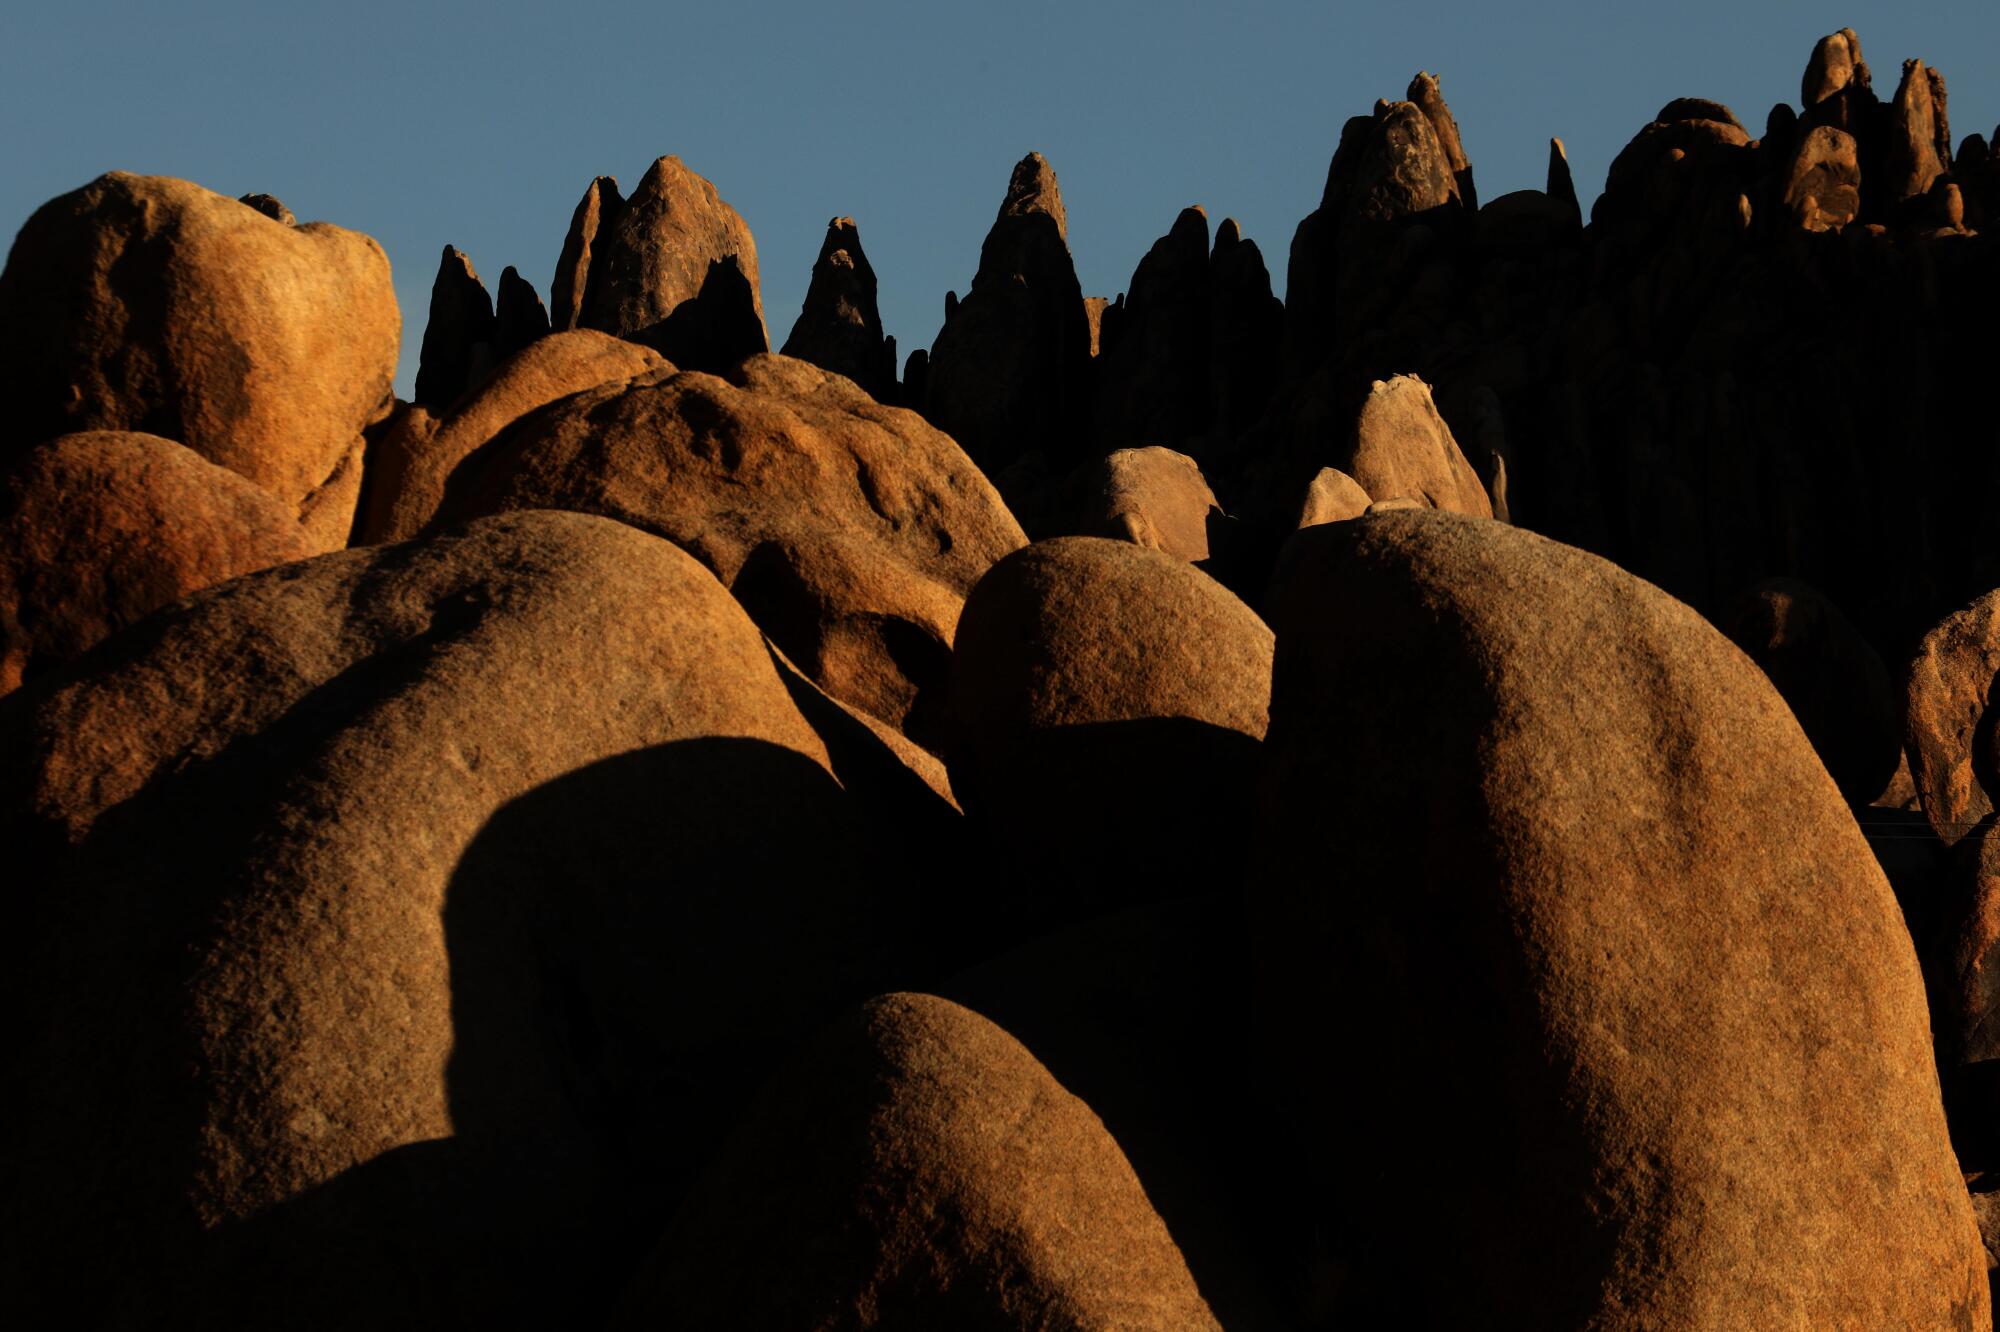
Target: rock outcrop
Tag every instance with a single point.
(1948, 733)
(519, 317)
(412, 873)
(1152, 497)
(571, 282)
(1602, 919)
(840, 328)
(673, 266)
(461, 337)
(415, 453)
(99, 530)
(140, 303)
(1833, 681)
(1106, 704)
(849, 530)
(1007, 371)
(918, 1168)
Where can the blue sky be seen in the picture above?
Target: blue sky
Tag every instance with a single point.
(479, 126)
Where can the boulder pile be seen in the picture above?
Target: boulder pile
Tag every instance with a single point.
(1461, 797)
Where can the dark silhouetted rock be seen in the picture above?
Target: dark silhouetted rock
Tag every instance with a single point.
(140, 303)
(1561, 186)
(1007, 370)
(1948, 732)
(715, 328)
(660, 250)
(100, 530)
(1153, 385)
(840, 328)
(851, 531)
(567, 289)
(1246, 335)
(460, 337)
(518, 315)
(1106, 702)
(1604, 925)
(1833, 681)
(270, 207)
(1141, 1014)
(414, 455)
(918, 1168)
(421, 895)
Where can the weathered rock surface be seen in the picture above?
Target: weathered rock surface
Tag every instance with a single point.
(1601, 921)
(918, 1168)
(140, 303)
(1110, 699)
(1007, 371)
(101, 529)
(1152, 497)
(415, 454)
(571, 282)
(851, 531)
(1400, 447)
(1833, 681)
(674, 243)
(461, 337)
(840, 327)
(417, 894)
(1823, 180)
(1333, 497)
(1948, 732)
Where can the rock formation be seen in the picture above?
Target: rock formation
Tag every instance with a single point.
(840, 328)
(1007, 371)
(571, 282)
(1949, 734)
(850, 531)
(918, 1168)
(139, 303)
(415, 453)
(248, 925)
(1663, 930)
(1111, 698)
(673, 250)
(461, 337)
(519, 317)
(1151, 497)
(98, 530)
(1833, 681)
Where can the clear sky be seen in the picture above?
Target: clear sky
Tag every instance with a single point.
(479, 126)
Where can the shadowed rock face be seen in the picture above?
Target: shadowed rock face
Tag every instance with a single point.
(1949, 732)
(660, 250)
(1833, 681)
(519, 317)
(918, 1168)
(851, 531)
(571, 282)
(460, 337)
(99, 530)
(248, 924)
(139, 303)
(840, 328)
(1105, 706)
(1007, 371)
(1552, 869)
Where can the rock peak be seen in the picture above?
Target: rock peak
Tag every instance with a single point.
(1033, 189)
